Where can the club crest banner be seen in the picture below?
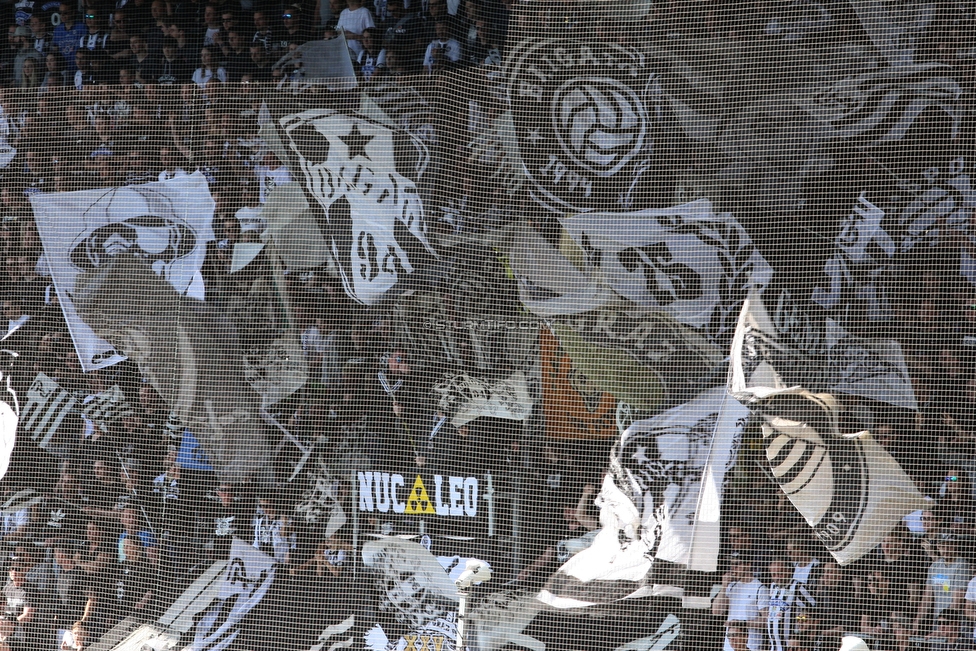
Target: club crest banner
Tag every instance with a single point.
(360, 182)
(847, 487)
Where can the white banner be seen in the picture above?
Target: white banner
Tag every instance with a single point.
(467, 398)
(764, 363)
(691, 263)
(167, 224)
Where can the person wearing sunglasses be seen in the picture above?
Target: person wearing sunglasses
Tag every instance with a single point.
(808, 634)
(95, 38)
(67, 35)
(295, 30)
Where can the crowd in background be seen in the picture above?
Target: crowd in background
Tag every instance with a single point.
(99, 95)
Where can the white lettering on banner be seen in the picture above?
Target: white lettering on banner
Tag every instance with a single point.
(471, 497)
(456, 507)
(365, 491)
(385, 492)
(382, 491)
(441, 508)
(398, 506)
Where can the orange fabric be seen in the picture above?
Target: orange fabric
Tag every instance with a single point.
(570, 408)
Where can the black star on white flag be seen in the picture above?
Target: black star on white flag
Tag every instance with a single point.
(359, 179)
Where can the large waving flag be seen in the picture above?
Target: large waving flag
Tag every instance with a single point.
(167, 224)
(846, 486)
(767, 360)
(661, 501)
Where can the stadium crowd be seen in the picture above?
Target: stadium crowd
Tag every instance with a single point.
(98, 95)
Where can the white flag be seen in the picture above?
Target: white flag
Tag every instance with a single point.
(359, 178)
(764, 362)
(662, 500)
(468, 398)
(167, 224)
(686, 260)
(192, 359)
(847, 487)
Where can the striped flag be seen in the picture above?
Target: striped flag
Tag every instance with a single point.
(106, 407)
(45, 410)
(846, 486)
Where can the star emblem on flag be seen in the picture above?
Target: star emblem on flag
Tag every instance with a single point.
(356, 142)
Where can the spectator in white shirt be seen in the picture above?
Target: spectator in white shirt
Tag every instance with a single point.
(450, 49)
(743, 601)
(354, 20)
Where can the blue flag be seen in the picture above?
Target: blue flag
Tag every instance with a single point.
(192, 456)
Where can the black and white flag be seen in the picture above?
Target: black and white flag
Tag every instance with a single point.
(896, 28)
(846, 486)
(765, 359)
(667, 632)
(106, 407)
(687, 261)
(193, 360)
(9, 420)
(45, 409)
(321, 503)
(277, 370)
(246, 579)
(882, 105)
(661, 500)
(677, 356)
(799, 20)
(466, 398)
(860, 261)
(359, 177)
(166, 224)
(583, 121)
(549, 283)
(415, 588)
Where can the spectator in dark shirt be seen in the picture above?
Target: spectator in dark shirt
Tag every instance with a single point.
(170, 68)
(264, 34)
(237, 56)
(135, 585)
(96, 37)
(139, 62)
(68, 35)
(19, 604)
(260, 68)
(70, 605)
(185, 47)
(295, 31)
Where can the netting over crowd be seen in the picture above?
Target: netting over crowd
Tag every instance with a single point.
(557, 326)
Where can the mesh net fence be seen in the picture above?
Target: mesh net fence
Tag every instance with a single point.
(418, 325)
